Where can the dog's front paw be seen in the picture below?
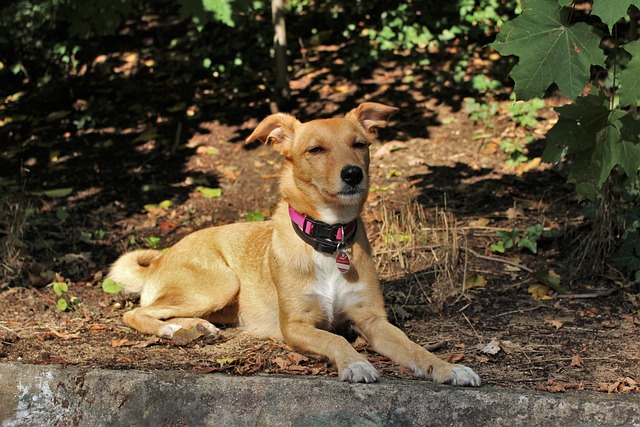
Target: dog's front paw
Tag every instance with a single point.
(360, 372)
(167, 331)
(463, 376)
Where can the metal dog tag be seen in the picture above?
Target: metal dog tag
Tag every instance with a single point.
(343, 262)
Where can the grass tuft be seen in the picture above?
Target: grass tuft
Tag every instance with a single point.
(419, 258)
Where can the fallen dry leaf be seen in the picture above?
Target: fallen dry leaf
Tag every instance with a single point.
(65, 335)
(281, 363)
(479, 222)
(539, 292)
(121, 343)
(146, 343)
(514, 212)
(297, 358)
(555, 323)
(475, 280)
(455, 357)
(554, 386)
(492, 348)
(623, 385)
(576, 361)
(528, 166)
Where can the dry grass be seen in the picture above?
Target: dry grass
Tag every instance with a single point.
(422, 249)
(595, 247)
(13, 222)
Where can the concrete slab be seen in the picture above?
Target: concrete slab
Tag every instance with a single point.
(63, 396)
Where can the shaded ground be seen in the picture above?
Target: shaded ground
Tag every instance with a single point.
(439, 195)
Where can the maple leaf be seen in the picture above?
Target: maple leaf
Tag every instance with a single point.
(610, 11)
(629, 78)
(600, 139)
(549, 50)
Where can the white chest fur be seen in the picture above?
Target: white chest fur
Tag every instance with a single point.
(332, 291)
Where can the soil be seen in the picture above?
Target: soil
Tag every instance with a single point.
(441, 190)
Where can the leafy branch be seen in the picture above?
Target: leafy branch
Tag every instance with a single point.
(558, 43)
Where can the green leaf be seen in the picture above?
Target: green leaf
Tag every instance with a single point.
(534, 231)
(551, 234)
(62, 304)
(111, 287)
(628, 255)
(532, 245)
(508, 237)
(255, 216)
(629, 78)
(86, 237)
(60, 287)
(209, 193)
(203, 11)
(498, 247)
(153, 241)
(610, 11)
(62, 214)
(57, 115)
(630, 145)
(58, 193)
(549, 50)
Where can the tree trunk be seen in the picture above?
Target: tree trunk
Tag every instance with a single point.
(282, 92)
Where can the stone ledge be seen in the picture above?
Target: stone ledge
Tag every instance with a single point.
(54, 395)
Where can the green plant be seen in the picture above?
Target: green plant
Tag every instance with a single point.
(514, 148)
(153, 241)
(599, 131)
(65, 301)
(526, 113)
(111, 287)
(527, 239)
(481, 111)
(522, 114)
(255, 216)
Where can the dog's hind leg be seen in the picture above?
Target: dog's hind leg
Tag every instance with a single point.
(185, 306)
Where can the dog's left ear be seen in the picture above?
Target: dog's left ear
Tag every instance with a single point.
(277, 129)
(372, 115)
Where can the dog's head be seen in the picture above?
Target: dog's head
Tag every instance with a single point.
(327, 160)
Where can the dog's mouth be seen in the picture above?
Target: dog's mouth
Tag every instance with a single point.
(351, 194)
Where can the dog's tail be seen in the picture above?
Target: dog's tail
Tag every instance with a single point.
(131, 269)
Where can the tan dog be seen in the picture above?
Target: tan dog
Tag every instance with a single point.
(301, 274)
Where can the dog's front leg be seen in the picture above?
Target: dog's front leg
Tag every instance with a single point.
(391, 342)
(352, 366)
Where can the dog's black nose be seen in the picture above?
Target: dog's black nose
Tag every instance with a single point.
(352, 175)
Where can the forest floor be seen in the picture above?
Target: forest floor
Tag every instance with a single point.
(440, 191)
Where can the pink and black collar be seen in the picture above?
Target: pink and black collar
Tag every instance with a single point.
(321, 236)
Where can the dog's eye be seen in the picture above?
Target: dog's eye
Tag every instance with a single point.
(359, 144)
(316, 150)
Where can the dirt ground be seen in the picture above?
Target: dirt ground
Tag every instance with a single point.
(439, 193)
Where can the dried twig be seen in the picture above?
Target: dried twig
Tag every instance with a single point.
(588, 295)
(504, 261)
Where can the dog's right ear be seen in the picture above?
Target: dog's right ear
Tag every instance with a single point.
(277, 129)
